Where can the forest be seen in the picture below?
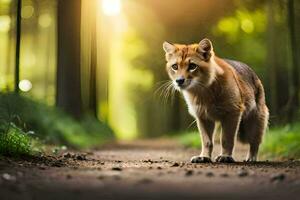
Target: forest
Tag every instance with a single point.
(103, 65)
(86, 111)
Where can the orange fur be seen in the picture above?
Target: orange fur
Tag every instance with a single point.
(221, 90)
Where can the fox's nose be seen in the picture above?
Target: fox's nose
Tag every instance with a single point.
(180, 81)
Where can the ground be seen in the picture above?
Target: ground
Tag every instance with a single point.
(157, 169)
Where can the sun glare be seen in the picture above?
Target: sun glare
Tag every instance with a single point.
(111, 7)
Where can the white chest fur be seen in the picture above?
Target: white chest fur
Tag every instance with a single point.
(192, 107)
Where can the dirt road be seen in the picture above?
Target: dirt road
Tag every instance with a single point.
(145, 170)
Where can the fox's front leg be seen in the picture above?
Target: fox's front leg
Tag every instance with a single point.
(206, 128)
(230, 125)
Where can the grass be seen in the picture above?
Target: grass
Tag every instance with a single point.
(282, 142)
(189, 139)
(279, 142)
(22, 120)
(15, 142)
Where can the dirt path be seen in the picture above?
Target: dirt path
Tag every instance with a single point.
(145, 170)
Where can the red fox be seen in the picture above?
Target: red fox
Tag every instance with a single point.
(219, 90)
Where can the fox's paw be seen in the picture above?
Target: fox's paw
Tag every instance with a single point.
(225, 159)
(200, 159)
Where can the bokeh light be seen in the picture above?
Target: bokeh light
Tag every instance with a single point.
(25, 85)
(27, 12)
(247, 26)
(5, 1)
(111, 7)
(45, 20)
(4, 23)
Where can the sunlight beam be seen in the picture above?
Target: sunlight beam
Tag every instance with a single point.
(111, 7)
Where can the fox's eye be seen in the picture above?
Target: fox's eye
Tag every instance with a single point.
(192, 67)
(174, 67)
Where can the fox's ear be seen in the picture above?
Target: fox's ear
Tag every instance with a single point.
(168, 47)
(205, 48)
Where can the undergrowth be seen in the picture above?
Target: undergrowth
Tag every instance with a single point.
(25, 122)
(15, 142)
(282, 142)
(189, 139)
(279, 142)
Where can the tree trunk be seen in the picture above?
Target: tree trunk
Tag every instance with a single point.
(18, 45)
(272, 59)
(68, 95)
(93, 69)
(295, 64)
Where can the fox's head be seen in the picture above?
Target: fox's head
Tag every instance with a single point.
(191, 65)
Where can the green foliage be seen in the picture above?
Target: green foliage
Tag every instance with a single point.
(279, 143)
(50, 124)
(242, 37)
(15, 142)
(189, 139)
(282, 142)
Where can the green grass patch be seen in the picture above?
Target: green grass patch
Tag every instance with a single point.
(22, 119)
(15, 142)
(279, 142)
(189, 139)
(282, 142)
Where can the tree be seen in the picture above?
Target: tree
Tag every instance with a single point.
(89, 56)
(18, 46)
(68, 95)
(294, 99)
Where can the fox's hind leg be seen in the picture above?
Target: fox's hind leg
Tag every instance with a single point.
(254, 127)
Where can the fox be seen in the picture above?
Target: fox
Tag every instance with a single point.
(222, 91)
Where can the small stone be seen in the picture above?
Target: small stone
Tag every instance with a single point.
(242, 173)
(159, 168)
(175, 165)
(278, 177)
(8, 177)
(117, 168)
(81, 157)
(224, 175)
(67, 155)
(209, 174)
(189, 172)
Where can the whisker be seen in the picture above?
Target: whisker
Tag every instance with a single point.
(192, 123)
(161, 88)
